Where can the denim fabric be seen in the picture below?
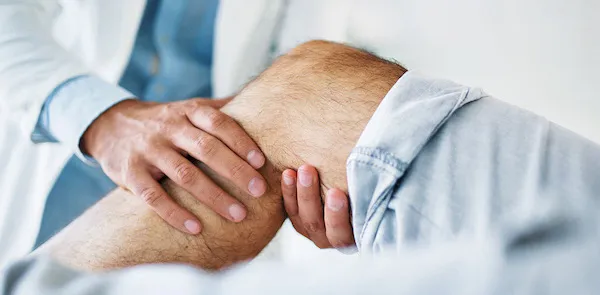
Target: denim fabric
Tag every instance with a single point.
(171, 60)
(439, 160)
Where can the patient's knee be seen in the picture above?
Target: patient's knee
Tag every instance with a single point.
(312, 104)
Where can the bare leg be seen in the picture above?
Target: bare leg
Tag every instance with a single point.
(310, 106)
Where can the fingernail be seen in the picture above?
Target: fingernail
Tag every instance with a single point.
(288, 180)
(256, 159)
(348, 250)
(257, 187)
(334, 204)
(305, 178)
(192, 226)
(237, 212)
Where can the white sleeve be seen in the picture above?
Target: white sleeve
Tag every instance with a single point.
(32, 63)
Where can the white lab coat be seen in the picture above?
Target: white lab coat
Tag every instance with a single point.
(45, 42)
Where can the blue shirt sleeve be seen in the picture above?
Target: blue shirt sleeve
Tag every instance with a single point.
(72, 107)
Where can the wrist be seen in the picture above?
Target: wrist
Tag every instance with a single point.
(96, 132)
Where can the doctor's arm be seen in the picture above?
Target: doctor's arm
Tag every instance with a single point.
(136, 143)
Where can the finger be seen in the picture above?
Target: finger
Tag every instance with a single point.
(338, 225)
(221, 159)
(217, 103)
(229, 132)
(290, 202)
(190, 178)
(288, 189)
(310, 206)
(299, 226)
(143, 185)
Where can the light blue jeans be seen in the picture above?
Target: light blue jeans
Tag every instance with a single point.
(470, 194)
(440, 160)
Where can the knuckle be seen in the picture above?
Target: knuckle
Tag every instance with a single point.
(185, 173)
(313, 226)
(128, 176)
(236, 171)
(170, 214)
(242, 143)
(193, 103)
(161, 127)
(216, 120)
(115, 173)
(206, 145)
(337, 223)
(216, 198)
(129, 164)
(170, 109)
(307, 197)
(151, 196)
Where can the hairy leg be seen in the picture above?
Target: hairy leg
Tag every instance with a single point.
(121, 231)
(310, 106)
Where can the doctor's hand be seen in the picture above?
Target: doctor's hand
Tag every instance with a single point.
(137, 143)
(326, 225)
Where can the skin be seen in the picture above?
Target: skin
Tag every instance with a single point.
(137, 143)
(314, 87)
(327, 225)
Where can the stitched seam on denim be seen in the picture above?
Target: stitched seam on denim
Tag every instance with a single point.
(395, 172)
(379, 154)
(386, 194)
(371, 210)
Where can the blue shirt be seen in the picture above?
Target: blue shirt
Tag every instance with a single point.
(171, 60)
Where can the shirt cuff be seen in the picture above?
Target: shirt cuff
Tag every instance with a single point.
(75, 104)
(40, 133)
(406, 120)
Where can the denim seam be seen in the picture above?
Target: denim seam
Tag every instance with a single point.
(398, 165)
(386, 169)
(381, 155)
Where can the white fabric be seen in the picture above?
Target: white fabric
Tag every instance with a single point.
(45, 42)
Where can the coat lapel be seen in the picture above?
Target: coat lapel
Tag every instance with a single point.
(244, 34)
